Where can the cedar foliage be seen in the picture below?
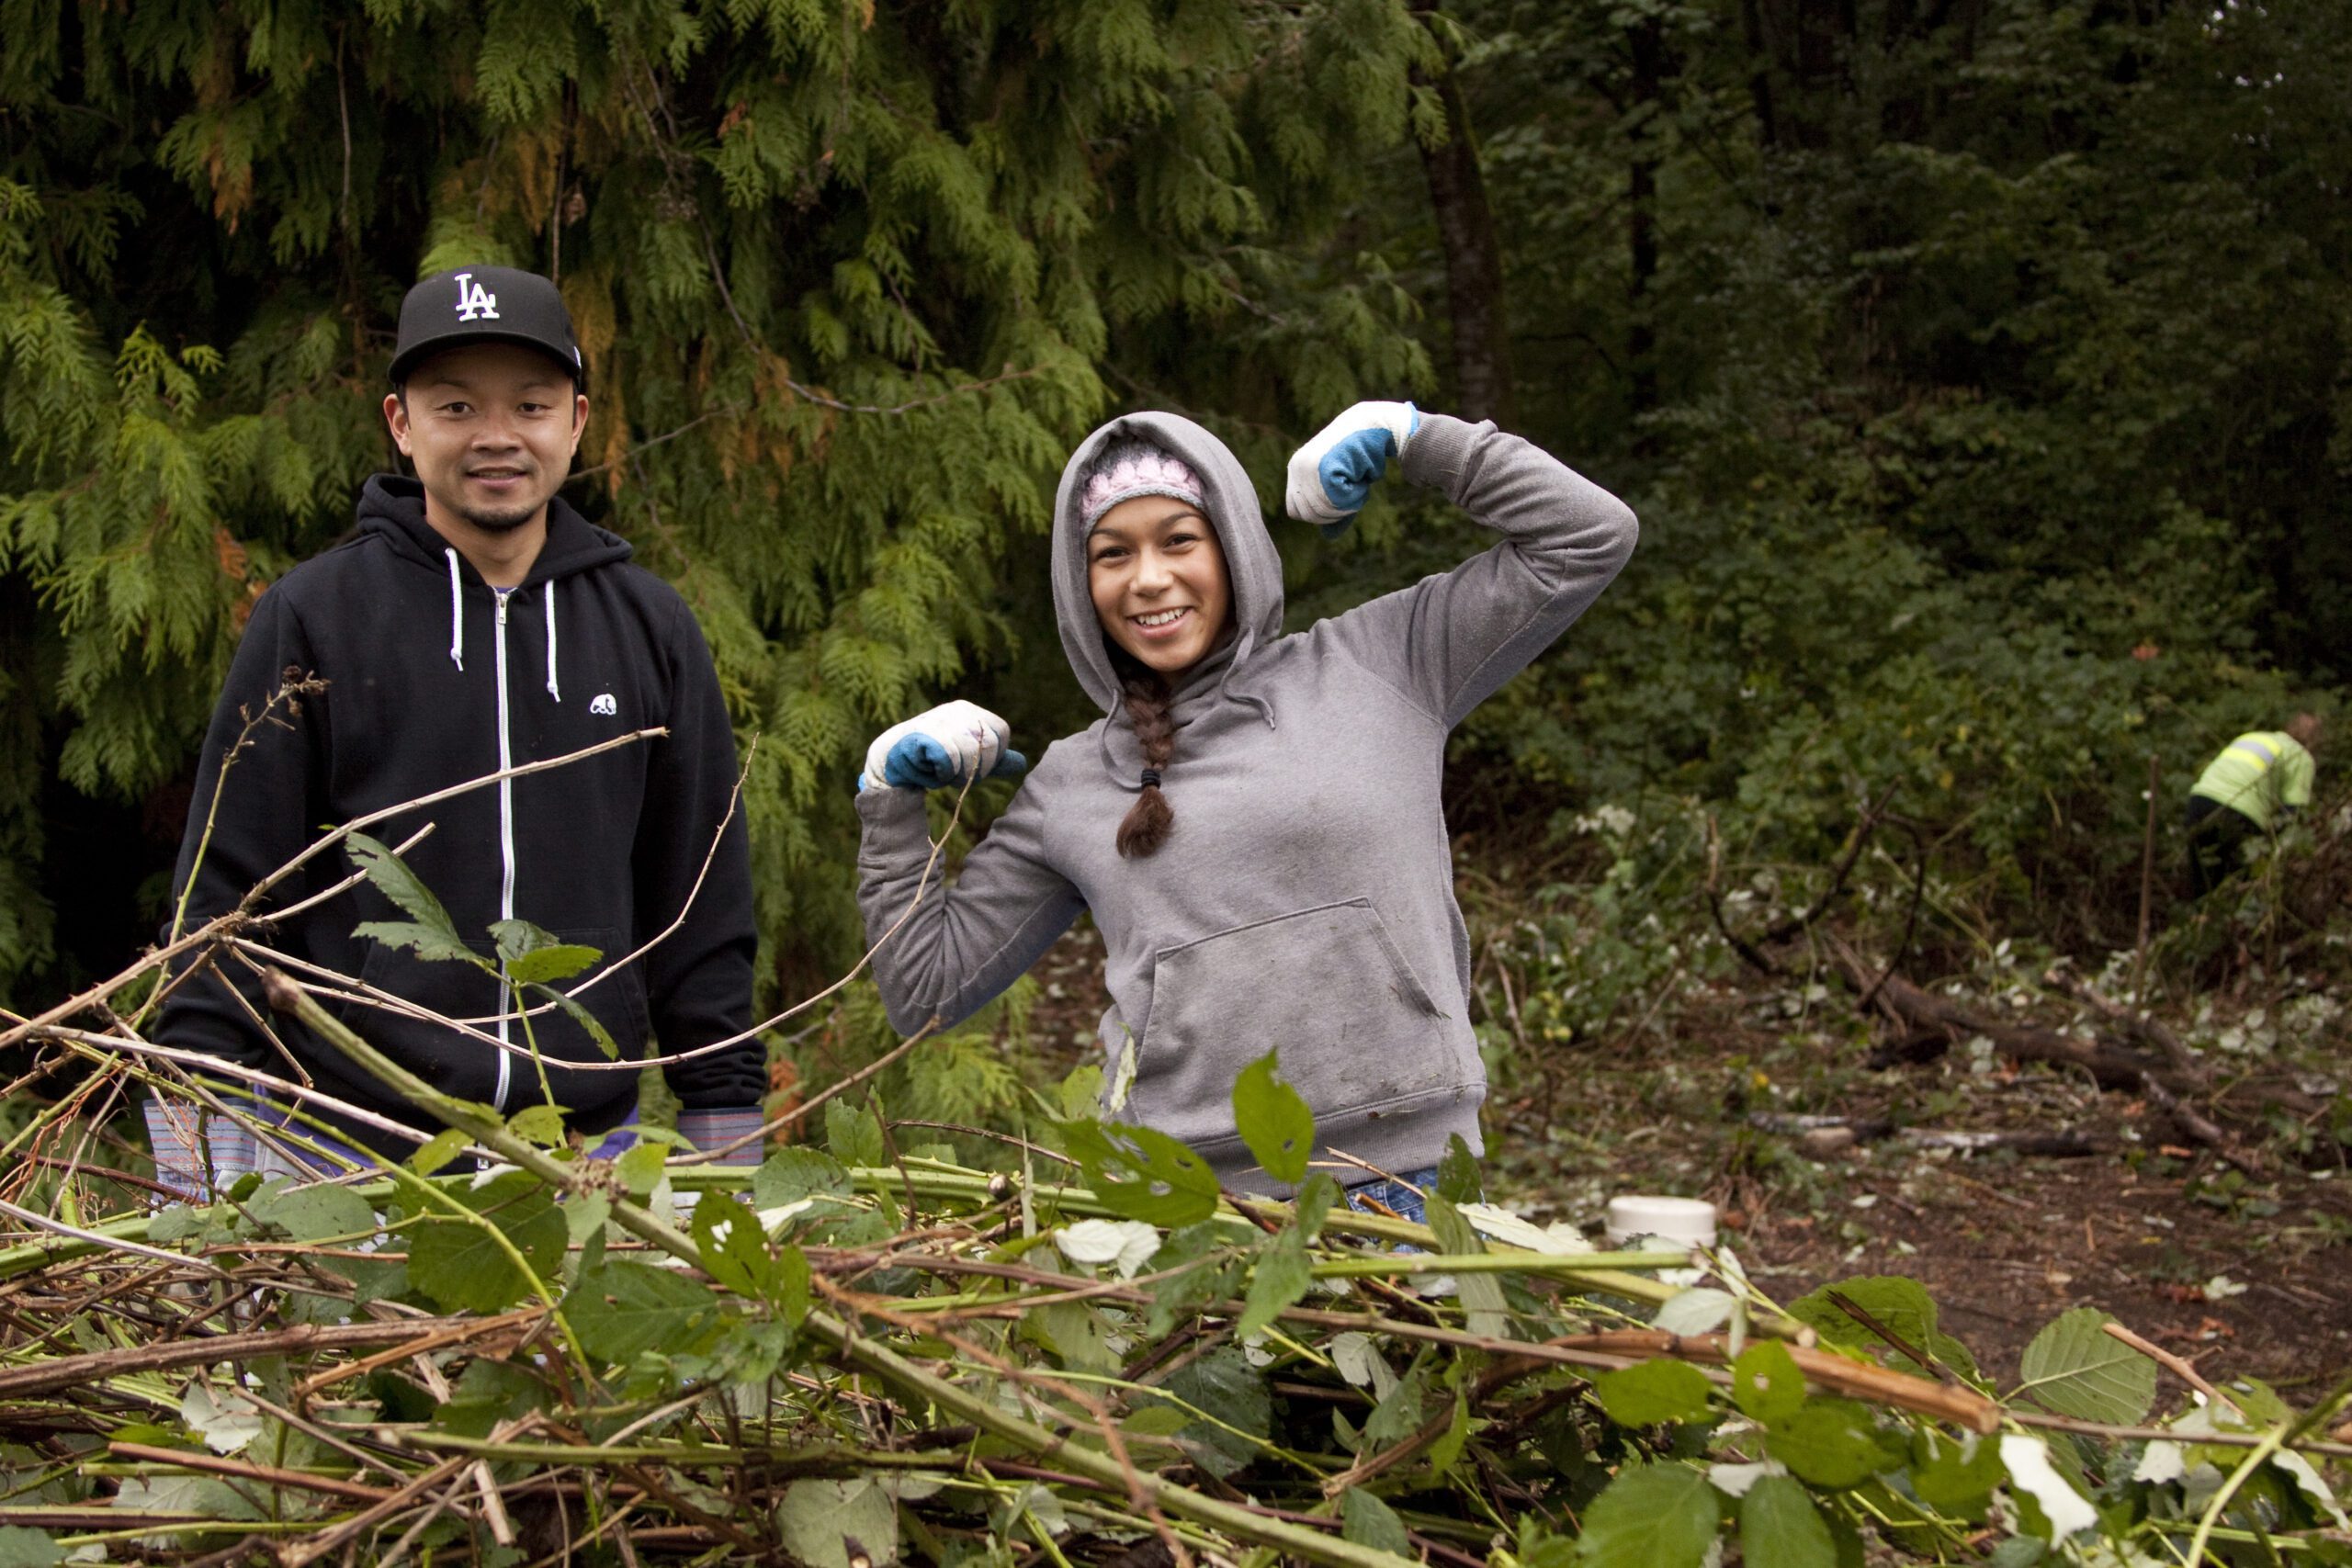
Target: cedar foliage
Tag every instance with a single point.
(849, 277)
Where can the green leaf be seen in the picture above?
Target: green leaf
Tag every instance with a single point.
(1204, 1269)
(1457, 1173)
(1765, 1382)
(1279, 1279)
(1902, 1306)
(792, 1287)
(227, 1423)
(1317, 1198)
(396, 881)
(434, 946)
(1401, 1411)
(438, 1151)
(793, 1173)
(622, 1309)
(463, 1267)
(1832, 1442)
(1955, 1475)
(1368, 1521)
(577, 1010)
(1486, 1308)
(854, 1133)
(734, 1250)
(1653, 1391)
(315, 1213)
(638, 1168)
(1699, 1310)
(1273, 1120)
(541, 1124)
(1447, 1449)
(1780, 1528)
(545, 965)
(1652, 1516)
(533, 955)
(489, 1391)
(2076, 1368)
(1226, 1387)
(1143, 1174)
(819, 1519)
(1080, 1094)
(1539, 1548)
(22, 1547)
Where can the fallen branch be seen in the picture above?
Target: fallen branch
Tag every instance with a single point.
(72, 1371)
(2164, 1083)
(1829, 1135)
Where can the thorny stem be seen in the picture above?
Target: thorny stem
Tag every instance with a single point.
(291, 689)
(286, 996)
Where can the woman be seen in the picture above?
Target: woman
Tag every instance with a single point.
(1255, 822)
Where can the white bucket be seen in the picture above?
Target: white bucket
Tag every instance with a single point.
(1676, 1221)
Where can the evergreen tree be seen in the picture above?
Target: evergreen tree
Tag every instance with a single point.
(850, 278)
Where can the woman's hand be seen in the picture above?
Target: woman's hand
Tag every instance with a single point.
(1331, 476)
(951, 744)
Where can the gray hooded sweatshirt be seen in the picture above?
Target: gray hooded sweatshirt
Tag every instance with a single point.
(1304, 900)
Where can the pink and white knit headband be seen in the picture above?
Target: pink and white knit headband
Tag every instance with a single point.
(1130, 469)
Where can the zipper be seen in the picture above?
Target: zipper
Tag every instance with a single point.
(505, 850)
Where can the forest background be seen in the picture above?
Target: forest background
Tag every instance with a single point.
(1977, 368)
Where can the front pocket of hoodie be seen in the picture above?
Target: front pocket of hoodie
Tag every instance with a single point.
(451, 1062)
(617, 1000)
(1325, 987)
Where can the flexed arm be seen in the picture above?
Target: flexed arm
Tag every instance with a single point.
(1449, 640)
(955, 949)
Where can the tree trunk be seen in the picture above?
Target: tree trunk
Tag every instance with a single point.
(1474, 266)
(1640, 341)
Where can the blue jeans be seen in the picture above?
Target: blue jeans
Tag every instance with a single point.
(1397, 1195)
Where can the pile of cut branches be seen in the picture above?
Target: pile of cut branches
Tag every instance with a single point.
(505, 1351)
(847, 1358)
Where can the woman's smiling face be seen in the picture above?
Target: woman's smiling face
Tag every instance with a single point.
(1158, 580)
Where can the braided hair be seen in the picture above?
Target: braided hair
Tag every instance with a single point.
(1146, 697)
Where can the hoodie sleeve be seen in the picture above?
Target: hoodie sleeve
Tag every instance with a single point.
(1449, 640)
(265, 804)
(961, 947)
(698, 980)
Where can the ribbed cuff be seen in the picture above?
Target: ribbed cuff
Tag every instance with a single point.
(719, 1125)
(1438, 451)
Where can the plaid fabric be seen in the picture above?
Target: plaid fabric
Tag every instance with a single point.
(1399, 1194)
(175, 1133)
(198, 1154)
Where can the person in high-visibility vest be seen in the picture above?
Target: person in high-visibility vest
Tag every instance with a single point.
(2245, 793)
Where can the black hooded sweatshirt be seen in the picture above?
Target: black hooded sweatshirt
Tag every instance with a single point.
(432, 680)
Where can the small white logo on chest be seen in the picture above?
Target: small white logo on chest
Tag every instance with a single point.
(603, 704)
(475, 302)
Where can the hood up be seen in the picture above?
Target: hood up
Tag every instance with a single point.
(392, 507)
(1250, 560)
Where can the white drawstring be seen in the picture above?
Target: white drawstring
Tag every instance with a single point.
(554, 689)
(456, 614)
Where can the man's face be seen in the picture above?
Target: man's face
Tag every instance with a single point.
(491, 428)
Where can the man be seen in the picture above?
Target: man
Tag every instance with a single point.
(475, 622)
(2243, 794)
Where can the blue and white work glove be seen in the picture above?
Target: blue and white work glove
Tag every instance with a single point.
(953, 742)
(1333, 476)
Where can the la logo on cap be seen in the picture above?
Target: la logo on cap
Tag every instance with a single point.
(475, 303)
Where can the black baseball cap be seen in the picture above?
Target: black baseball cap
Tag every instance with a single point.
(485, 304)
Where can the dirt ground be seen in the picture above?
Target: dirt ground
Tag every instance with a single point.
(2242, 1278)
